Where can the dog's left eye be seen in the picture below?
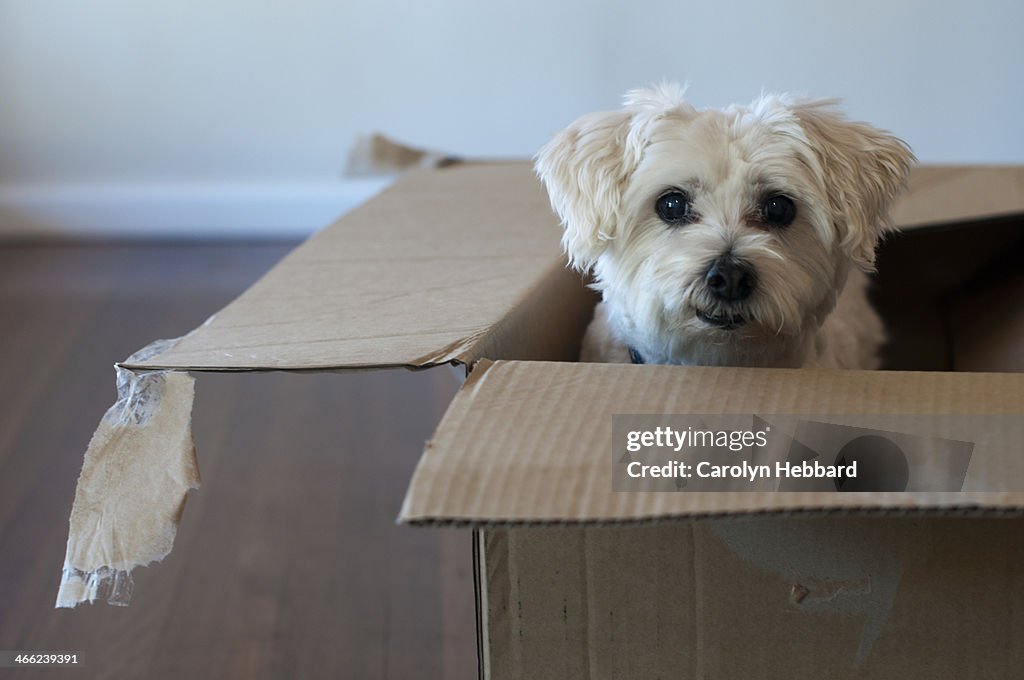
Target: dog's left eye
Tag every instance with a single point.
(778, 211)
(674, 208)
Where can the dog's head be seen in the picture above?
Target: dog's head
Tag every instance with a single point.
(721, 223)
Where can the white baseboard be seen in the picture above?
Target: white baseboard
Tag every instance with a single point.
(177, 210)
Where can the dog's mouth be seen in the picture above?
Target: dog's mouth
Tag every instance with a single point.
(725, 322)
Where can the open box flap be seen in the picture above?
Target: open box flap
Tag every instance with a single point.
(422, 274)
(440, 266)
(527, 442)
(948, 194)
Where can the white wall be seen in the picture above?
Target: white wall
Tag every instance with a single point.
(104, 99)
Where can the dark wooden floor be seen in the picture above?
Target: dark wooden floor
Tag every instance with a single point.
(288, 562)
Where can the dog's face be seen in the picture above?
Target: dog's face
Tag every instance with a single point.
(717, 228)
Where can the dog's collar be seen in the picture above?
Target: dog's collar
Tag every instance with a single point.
(635, 357)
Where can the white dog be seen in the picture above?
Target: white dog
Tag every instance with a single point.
(734, 237)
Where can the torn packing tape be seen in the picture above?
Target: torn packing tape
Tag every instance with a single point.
(139, 466)
(141, 462)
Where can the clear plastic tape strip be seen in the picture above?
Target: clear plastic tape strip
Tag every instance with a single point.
(113, 585)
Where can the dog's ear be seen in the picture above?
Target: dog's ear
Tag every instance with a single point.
(584, 169)
(863, 169)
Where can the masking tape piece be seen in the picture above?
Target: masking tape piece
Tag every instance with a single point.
(138, 468)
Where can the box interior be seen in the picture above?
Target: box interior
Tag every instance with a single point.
(951, 297)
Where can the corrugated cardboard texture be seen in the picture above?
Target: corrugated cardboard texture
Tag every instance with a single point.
(768, 598)
(421, 274)
(425, 272)
(531, 441)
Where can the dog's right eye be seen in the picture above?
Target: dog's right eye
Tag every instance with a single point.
(674, 208)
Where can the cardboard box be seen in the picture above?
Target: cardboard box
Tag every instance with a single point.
(575, 580)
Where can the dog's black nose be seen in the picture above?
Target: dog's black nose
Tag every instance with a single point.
(730, 279)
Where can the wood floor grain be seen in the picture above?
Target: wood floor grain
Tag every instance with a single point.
(288, 562)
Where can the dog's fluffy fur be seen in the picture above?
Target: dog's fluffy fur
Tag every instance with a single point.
(606, 171)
